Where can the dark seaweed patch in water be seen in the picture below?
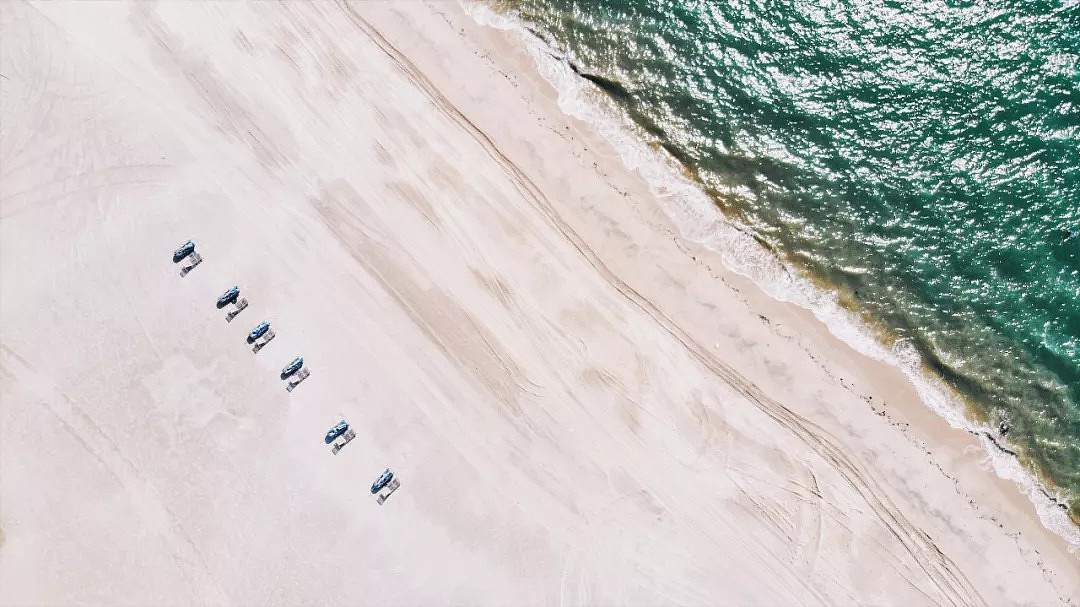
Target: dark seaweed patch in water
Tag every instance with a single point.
(678, 153)
(611, 87)
(619, 93)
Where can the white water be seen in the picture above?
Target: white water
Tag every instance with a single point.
(699, 220)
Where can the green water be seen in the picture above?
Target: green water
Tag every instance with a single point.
(923, 158)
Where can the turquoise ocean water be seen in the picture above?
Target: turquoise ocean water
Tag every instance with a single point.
(921, 159)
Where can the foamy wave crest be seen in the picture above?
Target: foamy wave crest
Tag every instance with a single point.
(699, 220)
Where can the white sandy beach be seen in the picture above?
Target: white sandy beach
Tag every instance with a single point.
(581, 407)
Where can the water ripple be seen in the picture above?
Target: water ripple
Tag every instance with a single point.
(923, 155)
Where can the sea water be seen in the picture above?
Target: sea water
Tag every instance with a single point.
(908, 170)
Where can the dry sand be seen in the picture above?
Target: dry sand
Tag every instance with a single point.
(581, 407)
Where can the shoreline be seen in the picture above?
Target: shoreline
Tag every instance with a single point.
(955, 446)
(582, 405)
(936, 430)
(822, 300)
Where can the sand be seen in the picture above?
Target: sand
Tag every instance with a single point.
(581, 407)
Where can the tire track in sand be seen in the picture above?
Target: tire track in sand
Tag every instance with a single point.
(143, 497)
(952, 584)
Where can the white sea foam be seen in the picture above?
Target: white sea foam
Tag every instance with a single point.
(699, 220)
